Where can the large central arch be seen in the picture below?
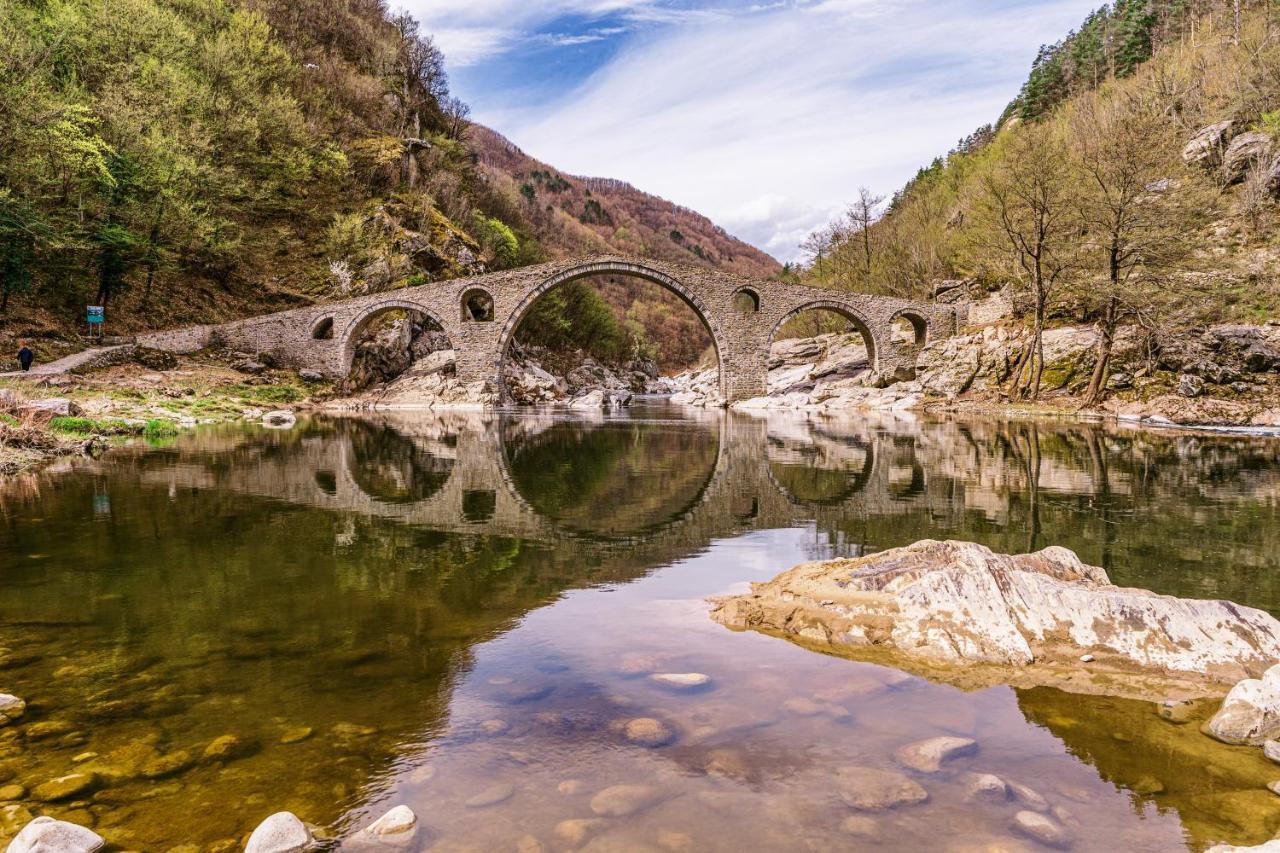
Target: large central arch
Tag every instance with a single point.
(609, 268)
(350, 335)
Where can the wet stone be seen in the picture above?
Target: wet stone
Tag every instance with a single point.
(1029, 797)
(491, 796)
(529, 844)
(1042, 829)
(11, 708)
(64, 787)
(623, 800)
(46, 835)
(47, 729)
(1148, 785)
(871, 789)
(168, 764)
(648, 732)
(987, 786)
(283, 832)
(1271, 749)
(574, 832)
(928, 756)
(860, 826)
(346, 731)
(681, 681)
(296, 734)
(12, 792)
(396, 828)
(1176, 711)
(227, 748)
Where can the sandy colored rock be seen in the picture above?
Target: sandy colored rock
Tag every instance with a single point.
(227, 748)
(928, 756)
(681, 680)
(871, 789)
(1250, 713)
(648, 732)
(12, 792)
(1025, 619)
(1043, 829)
(491, 796)
(64, 787)
(574, 832)
(11, 708)
(397, 828)
(623, 800)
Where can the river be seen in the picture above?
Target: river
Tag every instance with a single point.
(461, 613)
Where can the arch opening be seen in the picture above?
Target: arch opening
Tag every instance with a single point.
(391, 338)
(477, 306)
(910, 329)
(819, 470)
(323, 329)
(746, 301)
(619, 329)
(820, 345)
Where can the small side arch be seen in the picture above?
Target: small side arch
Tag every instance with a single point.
(919, 325)
(859, 322)
(322, 328)
(746, 301)
(351, 334)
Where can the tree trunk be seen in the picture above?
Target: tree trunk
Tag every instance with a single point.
(1102, 365)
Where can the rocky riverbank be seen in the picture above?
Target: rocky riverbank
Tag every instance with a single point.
(958, 612)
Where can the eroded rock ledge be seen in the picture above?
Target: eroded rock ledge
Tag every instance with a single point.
(958, 612)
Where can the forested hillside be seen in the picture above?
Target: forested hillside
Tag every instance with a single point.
(1133, 181)
(195, 160)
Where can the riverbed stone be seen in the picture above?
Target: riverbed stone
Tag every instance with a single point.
(1030, 798)
(574, 831)
(348, 731)
(623, 800)
(648, 732)
(872, 789)
(688, 681)
(12, 792)
(987, 786)
(1043, 829)
(48, 728)
(860, 826)
(283, 832)
(64, 787)
(168, 764)
(1271, 749)
(397, 828)
(11, 708)
(296, 734)
(46, 835)
(227, 748)
(928, 756)
(491, 796)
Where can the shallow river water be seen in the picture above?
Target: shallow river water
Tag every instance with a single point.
(462, 612)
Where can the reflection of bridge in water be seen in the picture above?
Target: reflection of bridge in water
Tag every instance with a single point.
(462, 472)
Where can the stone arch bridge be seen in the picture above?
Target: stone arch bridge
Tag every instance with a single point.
(481, 314)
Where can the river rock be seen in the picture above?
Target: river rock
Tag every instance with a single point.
(646, 731)
(870, 789)
(279, 419)
(397, 828)
(9, 793)
(681, 680)
(592, 400)
(1043, 829)
(1271, 749)
(987, 786)
(168, 764)
(1250, 713)
(64, 787)
(227, 748)
(928, 756)
(283, 832)
(623, 800)
(1029, 797)
(491, 796)
(46, 835)
(11, 708)
(574, 832)
(946, 603)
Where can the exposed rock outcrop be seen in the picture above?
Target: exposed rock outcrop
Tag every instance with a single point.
(46, 835)
(1025, 619)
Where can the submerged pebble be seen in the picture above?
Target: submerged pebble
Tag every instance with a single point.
(64, 787)
(1042, 828)
(681, 680)
(648, 732)
(623, 800)
(928, 756)
(491, 796)
(872, 789)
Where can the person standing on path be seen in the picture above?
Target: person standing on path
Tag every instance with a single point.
(25, 356)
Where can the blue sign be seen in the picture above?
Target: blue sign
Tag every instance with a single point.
(96, 315)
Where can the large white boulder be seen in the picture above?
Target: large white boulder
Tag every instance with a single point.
(948, 603)
(1251, 711)
(46, 835)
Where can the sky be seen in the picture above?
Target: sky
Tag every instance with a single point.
(765, 116)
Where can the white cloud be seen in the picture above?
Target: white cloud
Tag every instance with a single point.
(769, 122)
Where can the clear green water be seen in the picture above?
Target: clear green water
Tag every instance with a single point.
(462, 609)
